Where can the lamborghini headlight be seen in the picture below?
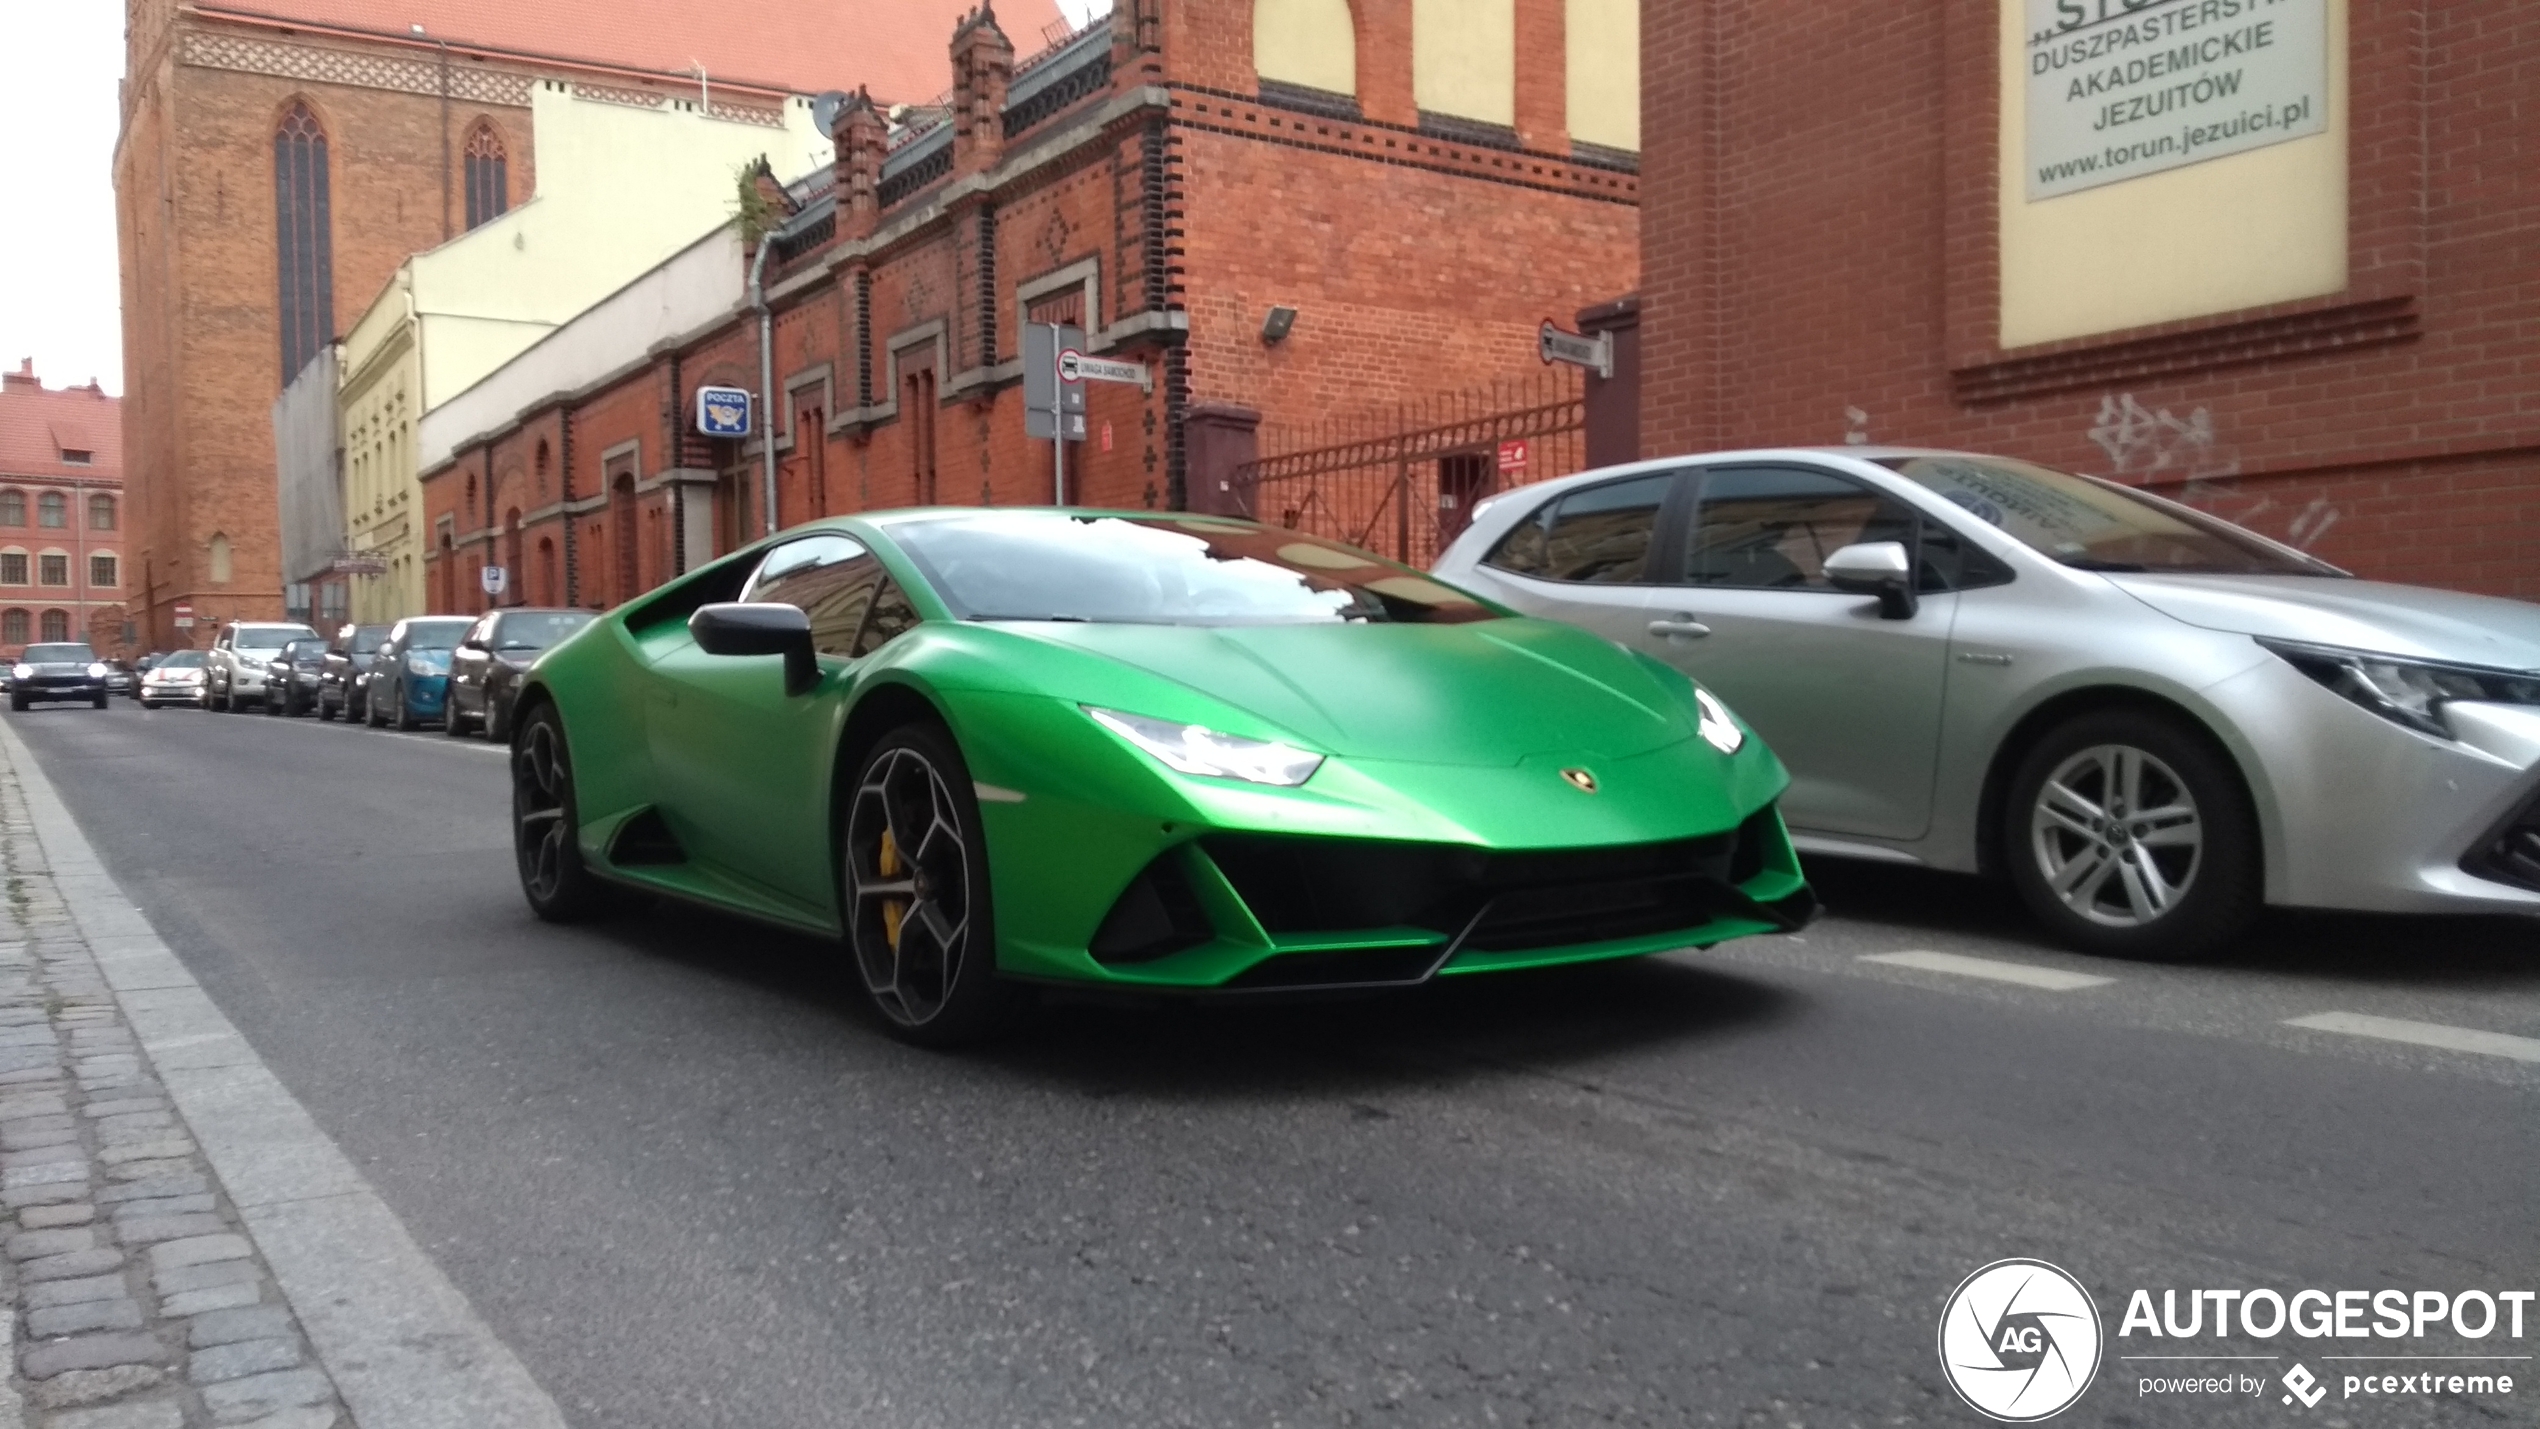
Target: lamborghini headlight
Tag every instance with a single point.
(1718, 730)
(1197, 749)
(2404, 691)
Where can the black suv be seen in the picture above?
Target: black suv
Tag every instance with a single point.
(56, 673)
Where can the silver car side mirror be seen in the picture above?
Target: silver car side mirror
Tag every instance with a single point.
(1880, 568)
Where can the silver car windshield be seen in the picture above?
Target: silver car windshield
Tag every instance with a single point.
(2096, 525)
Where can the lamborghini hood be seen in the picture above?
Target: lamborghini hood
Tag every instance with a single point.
(1490, 692)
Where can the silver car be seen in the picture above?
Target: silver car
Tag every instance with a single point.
(2150, 720)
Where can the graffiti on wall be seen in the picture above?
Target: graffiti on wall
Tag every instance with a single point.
(2150, 443)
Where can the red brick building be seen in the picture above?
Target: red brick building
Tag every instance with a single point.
(279, 159)
(1879, 225)
(1142, 181)
(61, 514)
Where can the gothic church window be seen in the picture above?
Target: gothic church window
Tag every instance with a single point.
(489, 193)
(304, 247)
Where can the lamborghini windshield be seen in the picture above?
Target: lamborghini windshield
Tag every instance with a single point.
(1164, 570)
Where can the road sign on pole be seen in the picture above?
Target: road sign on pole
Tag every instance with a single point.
(493, 578)
(1074, 366)
(1579, 350)
(184, 615)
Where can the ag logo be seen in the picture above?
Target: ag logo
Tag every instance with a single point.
(2019, 1341)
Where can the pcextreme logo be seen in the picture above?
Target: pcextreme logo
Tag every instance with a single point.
(2019, 1341)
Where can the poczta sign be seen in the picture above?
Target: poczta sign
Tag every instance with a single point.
(723, 412)
(2118, 89)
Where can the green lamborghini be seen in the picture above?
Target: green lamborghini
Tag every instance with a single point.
(1136, 750)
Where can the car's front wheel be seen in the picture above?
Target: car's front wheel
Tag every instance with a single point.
(560, 888)
(402, 718)
(2129, 834)
(914, 890)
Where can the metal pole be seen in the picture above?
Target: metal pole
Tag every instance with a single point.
(766, 382)
(1058, 428)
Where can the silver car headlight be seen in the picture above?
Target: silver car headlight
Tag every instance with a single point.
(22, 670)
(2404, 691)
(1197, 749)
(97, 671)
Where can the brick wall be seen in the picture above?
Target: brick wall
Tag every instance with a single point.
(1802, 258)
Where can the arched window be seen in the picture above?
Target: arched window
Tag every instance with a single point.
(1308, 44)
(219, 552)
(546, 571)
(51, 509)
(13, 627)
(304, 245)
(101, 513)
(12, 507)
(13, 567)
(57, 625)
(488, 184)
(515, 579)
(101, 571)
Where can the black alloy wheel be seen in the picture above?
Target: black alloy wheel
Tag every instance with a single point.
(914, 893)
(559, 887)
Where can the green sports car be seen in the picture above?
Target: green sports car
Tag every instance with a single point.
(1151, 751)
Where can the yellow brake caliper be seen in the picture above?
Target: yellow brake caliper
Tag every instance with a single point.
(893, 910)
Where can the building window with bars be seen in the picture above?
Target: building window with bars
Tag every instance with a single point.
(305, 251)
(101, 571)
(52, 510)
(101, 513)
(12, 508)
(12, 568)
(13, 627)
(57, 625)
(488, 176)
(54, 568)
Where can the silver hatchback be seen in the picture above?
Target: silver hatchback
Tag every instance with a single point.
(2149, 719)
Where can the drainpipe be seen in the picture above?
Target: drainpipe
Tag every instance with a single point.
(766, 382)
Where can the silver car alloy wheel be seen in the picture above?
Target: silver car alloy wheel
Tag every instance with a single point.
(2117, 835)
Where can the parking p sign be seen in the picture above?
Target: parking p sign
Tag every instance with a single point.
(723, 412)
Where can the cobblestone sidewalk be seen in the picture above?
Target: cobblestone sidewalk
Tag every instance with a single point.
(140, 1301)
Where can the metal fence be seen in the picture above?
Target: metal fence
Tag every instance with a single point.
(1403, 481)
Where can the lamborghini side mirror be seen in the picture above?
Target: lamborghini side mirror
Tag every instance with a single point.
(760, 628)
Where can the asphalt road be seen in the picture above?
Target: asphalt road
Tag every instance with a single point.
(683, 1175)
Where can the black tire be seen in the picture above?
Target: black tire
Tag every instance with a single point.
(453, 724)
(497, 729)
(945, 993)
(370, 714)
(559, 887)
(2172, 873)
(325, 711)
(273, 707)
(100, 701)
(402, 718)
(18, 703)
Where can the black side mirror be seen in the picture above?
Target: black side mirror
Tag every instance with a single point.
(760, 628)
(1879, 568)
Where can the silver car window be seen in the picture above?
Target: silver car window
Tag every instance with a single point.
(1772, 527)
(1601, 535)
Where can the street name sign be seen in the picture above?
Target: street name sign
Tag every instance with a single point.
(723, 412)
(1074, 366)
(1579, 350)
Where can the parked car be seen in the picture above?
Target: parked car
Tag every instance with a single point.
(2151, 720)
(1188, 754)
(55, 673)
(120, 679)
(291, 677)
(173, 679)
(346, 674)
(410, 679)
(486, 668)
(234, 672)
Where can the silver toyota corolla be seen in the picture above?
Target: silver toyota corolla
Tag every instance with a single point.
(2151, 720)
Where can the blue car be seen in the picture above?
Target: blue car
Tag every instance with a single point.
(410, 679)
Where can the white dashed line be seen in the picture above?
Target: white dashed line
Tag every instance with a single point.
(2025, 974)
(2423, 1034)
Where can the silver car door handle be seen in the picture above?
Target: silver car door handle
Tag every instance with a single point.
(1689, 628)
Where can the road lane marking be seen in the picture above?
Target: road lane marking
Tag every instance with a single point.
(404, 1347)
(2423, 1034)
(2025, 974)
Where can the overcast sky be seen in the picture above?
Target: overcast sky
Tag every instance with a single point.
(60, 64)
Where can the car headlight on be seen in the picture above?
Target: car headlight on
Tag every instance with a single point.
(1197, 749)
(1718, 730)
(22, 670)
(2405, 691)
(97, 671)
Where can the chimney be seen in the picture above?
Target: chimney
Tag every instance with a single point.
(983, 65)
(863, 138)
(22, 380)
